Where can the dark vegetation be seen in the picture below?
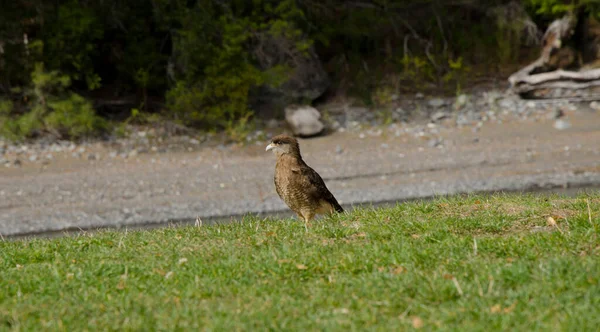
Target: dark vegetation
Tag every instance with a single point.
(74, 68)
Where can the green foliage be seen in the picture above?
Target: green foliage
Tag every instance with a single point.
(220, 69)
(552, 7)
(463, 263)
(457, 73)
(557, 8)
(208, 58)
(49, 107)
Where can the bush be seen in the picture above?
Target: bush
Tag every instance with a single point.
(48, 107)
(217, 66)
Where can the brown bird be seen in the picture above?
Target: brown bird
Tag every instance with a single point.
(298, 185)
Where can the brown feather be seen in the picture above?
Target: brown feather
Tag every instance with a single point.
(300, 186)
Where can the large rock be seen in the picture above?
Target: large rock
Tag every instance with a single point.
(304, 120)
(306, 81)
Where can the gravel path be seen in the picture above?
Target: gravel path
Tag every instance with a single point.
(97, 187)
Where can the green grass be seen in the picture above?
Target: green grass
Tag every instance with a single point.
(460, 263)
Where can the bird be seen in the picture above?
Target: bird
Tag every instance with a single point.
(299, 186)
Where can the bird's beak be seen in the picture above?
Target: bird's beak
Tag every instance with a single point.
(270, 147)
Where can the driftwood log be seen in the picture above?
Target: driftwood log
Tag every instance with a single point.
(564, 70)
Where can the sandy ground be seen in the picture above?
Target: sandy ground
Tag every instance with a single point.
(155, 188)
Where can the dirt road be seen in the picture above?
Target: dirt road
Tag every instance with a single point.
(151, 188)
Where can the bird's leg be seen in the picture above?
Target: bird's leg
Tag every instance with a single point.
(307, 218)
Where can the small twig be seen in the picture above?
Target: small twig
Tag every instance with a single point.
(457, 285)
(589, 212)
(490, 286)
(439, 22)
(479, 289)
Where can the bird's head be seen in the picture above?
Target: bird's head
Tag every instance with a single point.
(283, 144)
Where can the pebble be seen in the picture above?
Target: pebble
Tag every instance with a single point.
(461, 101)
(555, 114)
(436, 102)
(339, 150)
(33, 157)
(434, 143)
(437, 116)
(561, 124)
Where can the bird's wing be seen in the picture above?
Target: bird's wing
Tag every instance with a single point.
(316, 186)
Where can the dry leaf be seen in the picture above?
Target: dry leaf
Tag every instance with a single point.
(550, 221)
(121, 285)
(510, 309)
(282, 261)
(398, 270)
(169, 275)
(415, 236)
(182, 261)
(495, 309)
(448, 276)
(301, 267)
(70, 276)
(361, 234)
(477, 202)
(417, 322)
(381, 269)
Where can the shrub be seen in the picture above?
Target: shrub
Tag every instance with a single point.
(48, 107)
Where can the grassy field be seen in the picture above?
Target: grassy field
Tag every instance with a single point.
(461, 263)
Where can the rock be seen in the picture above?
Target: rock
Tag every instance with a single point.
(272, 124)
(17, 162)
(132, 153)
(339, 150)
(306, 81)
(113, 154)
(91, 156)
(436, 102)
(419, 95)
(561, 124)
(461, 101)
(555, 114)
(434, 142)
(194, 141)
(595, 106)
(33, 157)
(507, 104)
(304, 120)
(437, 116)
